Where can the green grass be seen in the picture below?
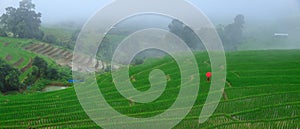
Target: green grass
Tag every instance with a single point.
(264, 92)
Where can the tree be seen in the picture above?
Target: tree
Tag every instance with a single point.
(49, 38)
(186, 34)
(52, 74)
(2, 32)
(233, 33)
(32, 77)
(23, 21)
(41, 64)
(9, 78)
(75, 35)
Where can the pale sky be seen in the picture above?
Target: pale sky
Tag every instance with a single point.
(217, 10)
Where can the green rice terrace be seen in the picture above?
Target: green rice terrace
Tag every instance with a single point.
(262, 91)
(11, 50)
(64, 57)
(28, 49)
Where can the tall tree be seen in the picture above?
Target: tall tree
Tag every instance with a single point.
(22, 22)
(41, 64)
(186, 34)
(233, 33)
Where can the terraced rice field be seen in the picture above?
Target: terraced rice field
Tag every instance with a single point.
(263, 91)
(63, 57)
(13, 52)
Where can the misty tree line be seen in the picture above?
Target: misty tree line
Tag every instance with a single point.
(231, 35)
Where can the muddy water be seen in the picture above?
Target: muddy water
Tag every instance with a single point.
(53, 88)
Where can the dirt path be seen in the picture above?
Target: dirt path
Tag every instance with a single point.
(19, 62)
(38, 48)
(192, 77)
(54, 53)
(59, 84)
(236, 74)
(5, 44)
(8, 57)
(27, 66)
(228, 83)
(225, 95)
(46, 52)
(44, 48)
(31, 47)
(207, 63)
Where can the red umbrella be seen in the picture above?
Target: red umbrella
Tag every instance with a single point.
(208, 74)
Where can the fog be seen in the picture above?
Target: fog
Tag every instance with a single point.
(219, 11)
(263, 17)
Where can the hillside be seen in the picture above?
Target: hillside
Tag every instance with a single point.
(11, 51)
(262, 91)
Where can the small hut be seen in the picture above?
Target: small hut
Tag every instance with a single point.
(281, 35)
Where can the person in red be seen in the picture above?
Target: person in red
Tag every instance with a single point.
(208, 76)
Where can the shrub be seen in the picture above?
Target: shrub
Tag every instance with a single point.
(49, 38)
(138, 61)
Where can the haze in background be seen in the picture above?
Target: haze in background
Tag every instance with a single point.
(263, 17)
(218, 10)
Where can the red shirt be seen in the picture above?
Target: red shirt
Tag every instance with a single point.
(208, 74)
